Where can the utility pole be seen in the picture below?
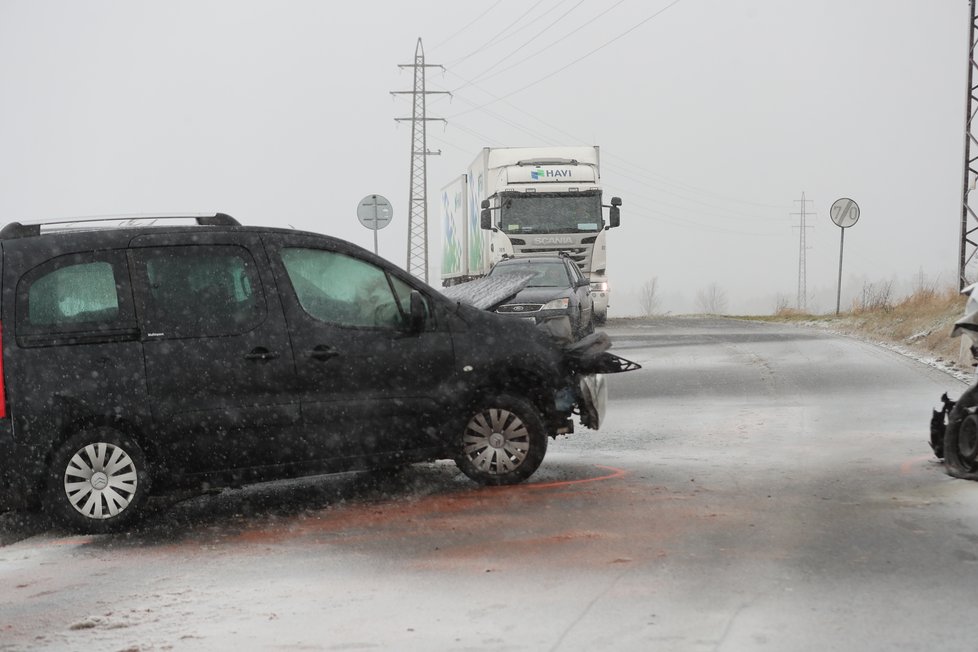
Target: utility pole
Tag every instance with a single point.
(802, 248)
(417, 245)
(968, 246)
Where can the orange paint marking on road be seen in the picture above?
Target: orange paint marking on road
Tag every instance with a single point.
(907, 467)
(615, 473)
(367, 523)
(346, 525)
(75, 541)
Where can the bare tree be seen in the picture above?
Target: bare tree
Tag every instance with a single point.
(876, 296)
(922, 287)
(712, 300)
(782, 304)
(648, 296)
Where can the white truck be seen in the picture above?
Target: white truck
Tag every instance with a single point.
(528, 201)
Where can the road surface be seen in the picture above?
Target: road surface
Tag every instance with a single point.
(757, 487)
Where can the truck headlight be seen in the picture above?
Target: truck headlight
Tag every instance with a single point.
(599, 287)
(557, 304)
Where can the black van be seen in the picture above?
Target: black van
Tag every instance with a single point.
(136, 355)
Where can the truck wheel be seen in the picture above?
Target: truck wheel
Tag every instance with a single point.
(600, 318)
(503, 442)
(97, 481)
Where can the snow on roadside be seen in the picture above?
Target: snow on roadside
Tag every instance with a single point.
(948, 366)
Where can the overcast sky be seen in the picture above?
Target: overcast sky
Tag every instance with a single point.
(713, 117)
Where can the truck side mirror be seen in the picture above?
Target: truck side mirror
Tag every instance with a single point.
(485, 216)
(614, 213)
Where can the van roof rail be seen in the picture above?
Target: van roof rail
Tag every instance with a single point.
(32, 228)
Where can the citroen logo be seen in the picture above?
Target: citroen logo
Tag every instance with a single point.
(100, 480)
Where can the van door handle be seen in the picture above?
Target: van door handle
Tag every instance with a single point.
(261, 353)
(323, 352)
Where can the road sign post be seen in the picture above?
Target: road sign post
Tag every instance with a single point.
(844, 213)
(374, 212)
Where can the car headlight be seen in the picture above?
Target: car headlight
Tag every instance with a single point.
(557, 304)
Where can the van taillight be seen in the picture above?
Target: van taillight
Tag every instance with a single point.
(3, 386)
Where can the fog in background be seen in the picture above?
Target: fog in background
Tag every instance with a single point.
(713, 117)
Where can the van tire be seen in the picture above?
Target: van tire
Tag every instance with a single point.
(503, 441)
(97, 481)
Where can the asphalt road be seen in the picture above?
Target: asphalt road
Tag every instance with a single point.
(756, 487)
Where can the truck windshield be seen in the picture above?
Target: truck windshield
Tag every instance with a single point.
(550, 212)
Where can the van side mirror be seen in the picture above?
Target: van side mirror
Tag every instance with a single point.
(419, 312)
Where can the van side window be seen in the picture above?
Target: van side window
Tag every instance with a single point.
(343, 290)
(198, 291)
(75, 293)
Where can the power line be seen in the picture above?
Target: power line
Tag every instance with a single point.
(533, 38)
(657, 178)
(467, 25)
(631, 166)
(483, 76)
(494, 37)
(578, 60)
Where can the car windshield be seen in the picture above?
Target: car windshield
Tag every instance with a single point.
(545, 275)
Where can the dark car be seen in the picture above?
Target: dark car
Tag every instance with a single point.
(146, 357)
(556, 290)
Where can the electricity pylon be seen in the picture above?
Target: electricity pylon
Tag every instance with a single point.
(802, 248)
(968, 245)
(417, 245)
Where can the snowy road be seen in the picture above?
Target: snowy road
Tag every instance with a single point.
(757, 487)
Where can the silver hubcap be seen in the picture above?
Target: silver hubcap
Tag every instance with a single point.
(496, 441)
(100, 480)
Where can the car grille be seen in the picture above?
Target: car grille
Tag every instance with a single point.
(519, 308)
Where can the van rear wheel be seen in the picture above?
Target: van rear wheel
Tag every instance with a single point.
(503, 442)
(97, 481)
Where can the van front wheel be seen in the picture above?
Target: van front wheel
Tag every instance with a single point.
(97, 481)
(503, 442)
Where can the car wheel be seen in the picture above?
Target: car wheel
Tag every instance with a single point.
(503, 442)
(967, 444)
(97, 481)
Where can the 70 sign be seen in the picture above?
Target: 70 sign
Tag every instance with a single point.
(844, 212)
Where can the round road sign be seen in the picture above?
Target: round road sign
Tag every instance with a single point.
(374, 212)
(844, 212)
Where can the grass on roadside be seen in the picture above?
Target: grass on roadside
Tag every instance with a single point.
(921, 321)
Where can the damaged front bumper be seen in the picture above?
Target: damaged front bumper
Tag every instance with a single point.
(588, 361)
